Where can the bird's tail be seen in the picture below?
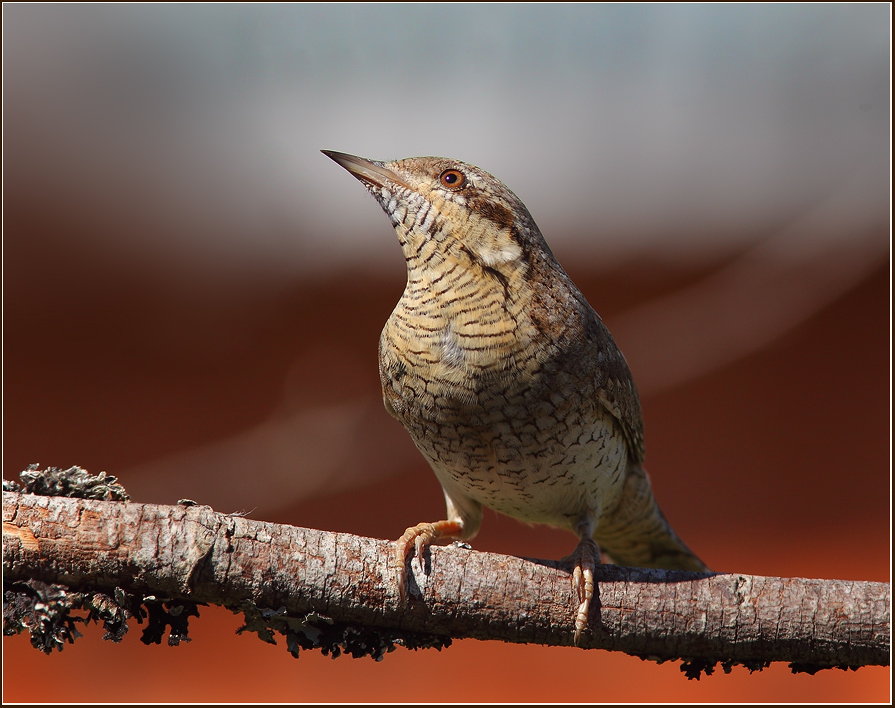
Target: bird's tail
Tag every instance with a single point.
(636, 533)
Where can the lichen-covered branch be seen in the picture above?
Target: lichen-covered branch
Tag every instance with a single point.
(308, 580)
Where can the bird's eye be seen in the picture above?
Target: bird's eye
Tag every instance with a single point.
(453, 179)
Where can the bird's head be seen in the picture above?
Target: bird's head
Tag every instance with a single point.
(448, 212)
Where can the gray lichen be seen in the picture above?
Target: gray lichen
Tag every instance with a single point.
(72, 482)
(46, 612)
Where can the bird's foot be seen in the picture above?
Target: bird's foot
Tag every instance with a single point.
(583, 561)
(418, 538)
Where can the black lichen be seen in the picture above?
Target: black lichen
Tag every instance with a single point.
(162, 615)
(694, 668)
(812, 669)
(314, 631)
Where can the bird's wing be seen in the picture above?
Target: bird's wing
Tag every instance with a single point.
(615, 387)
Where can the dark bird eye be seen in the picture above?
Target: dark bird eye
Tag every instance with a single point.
(453, 179)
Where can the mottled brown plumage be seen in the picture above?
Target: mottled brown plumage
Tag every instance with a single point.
(505, 377)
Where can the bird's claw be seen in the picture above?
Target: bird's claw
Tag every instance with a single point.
(584, 559)
(415, 540)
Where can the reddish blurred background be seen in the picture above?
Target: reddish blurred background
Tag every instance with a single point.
(193, 302)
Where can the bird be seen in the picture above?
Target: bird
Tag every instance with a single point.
(507, 380)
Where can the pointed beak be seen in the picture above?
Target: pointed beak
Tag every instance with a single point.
(367, 170)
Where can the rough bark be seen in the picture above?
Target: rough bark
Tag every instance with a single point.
(195, 555)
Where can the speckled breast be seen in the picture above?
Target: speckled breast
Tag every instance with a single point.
(501, 417)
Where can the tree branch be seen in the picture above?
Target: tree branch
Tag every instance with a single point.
(315, 579)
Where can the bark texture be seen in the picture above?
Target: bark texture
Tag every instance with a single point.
(195, 555)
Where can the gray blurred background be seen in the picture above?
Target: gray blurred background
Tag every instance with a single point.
(617, 125)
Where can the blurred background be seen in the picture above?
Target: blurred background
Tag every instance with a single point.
(193, 294)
